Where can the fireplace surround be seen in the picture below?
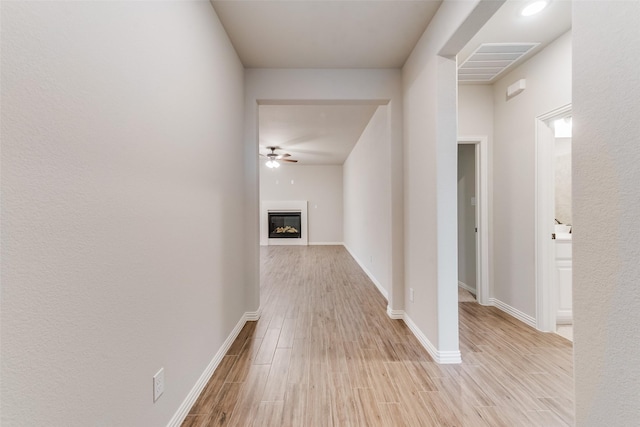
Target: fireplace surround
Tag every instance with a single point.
(286, 214)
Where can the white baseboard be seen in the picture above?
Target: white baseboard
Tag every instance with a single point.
(564, 317)
(395, 314)
(252, 316)
(525, 318)
(382, 290)
(467, 287)
(188, 402)
(441, 357)
(326, 244)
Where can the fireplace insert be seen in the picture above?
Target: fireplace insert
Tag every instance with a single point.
(284, 225)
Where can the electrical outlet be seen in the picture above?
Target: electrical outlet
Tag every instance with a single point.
(371, 258)
(158, 384)
(411, 294)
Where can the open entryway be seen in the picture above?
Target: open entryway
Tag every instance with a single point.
(554, 222)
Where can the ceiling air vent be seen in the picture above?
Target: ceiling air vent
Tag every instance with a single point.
(489, 60)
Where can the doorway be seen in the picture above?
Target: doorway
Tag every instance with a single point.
(473, 222)
(467, 226)
(554, 222)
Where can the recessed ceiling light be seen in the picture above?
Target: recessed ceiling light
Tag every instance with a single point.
(534, 7)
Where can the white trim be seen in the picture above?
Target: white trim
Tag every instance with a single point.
(441, 357)
(564, 317)
(513, 312)
(466, 287)
(544, 220)
(326, 244)
(482, 215)
(395, 314)
(188, 402)
(252, 316)
(381, 288)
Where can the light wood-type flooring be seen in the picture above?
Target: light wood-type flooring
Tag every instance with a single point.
(324, 353)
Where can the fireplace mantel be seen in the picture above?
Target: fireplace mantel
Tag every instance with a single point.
(283, 206)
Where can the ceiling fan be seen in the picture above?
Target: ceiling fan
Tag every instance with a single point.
(273, 157)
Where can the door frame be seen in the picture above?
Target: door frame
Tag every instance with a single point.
(482, 215)
(544, 219)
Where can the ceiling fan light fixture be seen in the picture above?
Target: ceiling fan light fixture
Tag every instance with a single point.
(272, 164)
(534, 7)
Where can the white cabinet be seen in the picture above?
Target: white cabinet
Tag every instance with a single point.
(562, 277)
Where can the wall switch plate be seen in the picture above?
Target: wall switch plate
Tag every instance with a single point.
(158, 384)
(473, 201)
(411, 294)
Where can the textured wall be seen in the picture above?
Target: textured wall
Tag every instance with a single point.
(367, 198)
(606, 196)
(120, 248)
(548, 76)
(430, 153)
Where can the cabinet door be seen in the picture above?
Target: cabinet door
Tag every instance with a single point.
(564, 312)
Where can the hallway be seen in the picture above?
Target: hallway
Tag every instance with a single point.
(325, 353)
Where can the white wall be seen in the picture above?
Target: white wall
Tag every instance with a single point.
(367, 193)
(467, 215)
(430, 152)
(606, 202)
(475, 110)
(319, 185)
(548, 76)
(120, 250)
(307, 86)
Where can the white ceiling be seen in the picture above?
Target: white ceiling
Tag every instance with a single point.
(324, 33)
(313, 134)
(352, 34)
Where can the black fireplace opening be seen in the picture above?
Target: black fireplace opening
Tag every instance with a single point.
(284, 225)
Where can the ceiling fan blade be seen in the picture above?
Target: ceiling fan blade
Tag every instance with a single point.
(288, 160)
(285, 155)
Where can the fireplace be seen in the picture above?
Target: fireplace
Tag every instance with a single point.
(285, 225)
(284, 209)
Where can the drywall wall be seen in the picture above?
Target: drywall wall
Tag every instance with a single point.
(319, 185)
(548, 77)
(309, 86)
(367, 212)
(475, 110)
(120, 243)
(606, 202)
(467, 215)
(430, 136)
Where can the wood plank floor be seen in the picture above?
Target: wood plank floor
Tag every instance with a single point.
(324, 353)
